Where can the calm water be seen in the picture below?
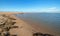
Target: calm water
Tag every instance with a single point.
(50, 21)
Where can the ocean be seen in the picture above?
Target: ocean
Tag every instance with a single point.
(48, 21)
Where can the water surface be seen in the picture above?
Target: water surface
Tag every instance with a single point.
(50, 21)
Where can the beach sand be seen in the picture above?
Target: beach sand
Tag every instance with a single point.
(23, 28)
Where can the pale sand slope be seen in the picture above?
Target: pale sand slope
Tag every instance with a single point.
(24, 28)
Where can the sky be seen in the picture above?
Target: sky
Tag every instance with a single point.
(30, 5)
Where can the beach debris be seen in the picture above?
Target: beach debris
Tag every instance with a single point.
(47, 35)
(41, 34)
(6, 23)
(37, 34)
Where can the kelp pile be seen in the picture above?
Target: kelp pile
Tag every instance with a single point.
(41, 34)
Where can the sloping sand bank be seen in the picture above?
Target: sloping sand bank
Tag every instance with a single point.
(23, 28)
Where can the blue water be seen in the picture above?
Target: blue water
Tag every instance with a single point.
(50, 21)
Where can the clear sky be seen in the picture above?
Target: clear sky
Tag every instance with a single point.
(30, 5)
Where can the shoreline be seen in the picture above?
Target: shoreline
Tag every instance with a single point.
(24, 29)
(36, 28)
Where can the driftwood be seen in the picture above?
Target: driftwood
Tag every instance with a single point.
(41, 34)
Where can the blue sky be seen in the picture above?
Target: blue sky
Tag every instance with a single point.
(30, 5)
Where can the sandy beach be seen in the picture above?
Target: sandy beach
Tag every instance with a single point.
(23, 28)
